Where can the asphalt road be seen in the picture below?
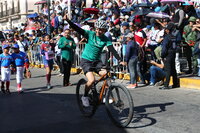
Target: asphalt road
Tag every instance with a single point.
(55, 111)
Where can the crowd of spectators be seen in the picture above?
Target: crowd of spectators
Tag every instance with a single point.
(128, 23)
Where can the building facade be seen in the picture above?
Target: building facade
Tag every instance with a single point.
(14, 12)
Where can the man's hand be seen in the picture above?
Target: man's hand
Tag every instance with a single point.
(123, 63)
(70, 43)
(152, 62)
(193, 28)
(51, 41)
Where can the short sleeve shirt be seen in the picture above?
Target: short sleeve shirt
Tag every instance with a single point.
(94, 45)
(6, 60)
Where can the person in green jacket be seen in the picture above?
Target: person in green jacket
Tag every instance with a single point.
(66, 44)
(190, 36)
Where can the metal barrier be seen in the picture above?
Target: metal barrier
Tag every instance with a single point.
(106, 57)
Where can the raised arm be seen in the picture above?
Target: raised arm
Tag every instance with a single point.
(75, 27)
(112, 50)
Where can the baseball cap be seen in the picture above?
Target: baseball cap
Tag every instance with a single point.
(125, 24)
(5, 46)
(148, 26)
(170, 26)
(15, 46)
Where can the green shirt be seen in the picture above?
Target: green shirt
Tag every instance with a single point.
(94, 46)
(66, 49)
(189, 35)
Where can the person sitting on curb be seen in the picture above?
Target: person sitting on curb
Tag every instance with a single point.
(157, 74)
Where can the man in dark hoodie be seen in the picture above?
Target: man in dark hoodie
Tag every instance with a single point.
(168, 55)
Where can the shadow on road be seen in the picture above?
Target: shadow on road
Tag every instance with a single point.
(142, 116)
(46, 112)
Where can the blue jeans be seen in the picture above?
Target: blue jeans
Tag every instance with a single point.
(132, 65)
(198, 12)
(140, 71)
(156, 74)
(198, 60)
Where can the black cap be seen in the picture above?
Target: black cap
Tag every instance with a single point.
(170, 26)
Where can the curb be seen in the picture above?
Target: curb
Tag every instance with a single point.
(184, 82)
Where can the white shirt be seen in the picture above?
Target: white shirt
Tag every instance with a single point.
(60, 19)
(153, 37)
(21, 46)
(160, 35)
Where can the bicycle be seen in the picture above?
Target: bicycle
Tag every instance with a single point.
(119, 107)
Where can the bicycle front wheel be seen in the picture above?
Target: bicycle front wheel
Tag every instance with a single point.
(119, 105)
(80, 89)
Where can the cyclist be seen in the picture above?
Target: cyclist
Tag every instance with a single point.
(90, 62)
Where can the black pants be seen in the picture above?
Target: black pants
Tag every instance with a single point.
(66, 70)
(169, 67)
(188, 52)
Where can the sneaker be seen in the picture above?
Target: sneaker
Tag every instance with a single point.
(159, 83)
(3, 90)
(131, 86)
(164, 88)
(48, 86)
(151, 84)
(8, 91)
(68, 84)
(85, 101)
(142, 82)
(110, 100)
(20, 90)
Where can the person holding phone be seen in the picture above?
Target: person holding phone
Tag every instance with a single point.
(67, 45)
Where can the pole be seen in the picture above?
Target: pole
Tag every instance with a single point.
(49, 21)
(69, 9)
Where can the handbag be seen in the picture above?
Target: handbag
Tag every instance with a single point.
(49, 55)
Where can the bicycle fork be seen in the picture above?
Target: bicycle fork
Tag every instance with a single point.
(103, 90)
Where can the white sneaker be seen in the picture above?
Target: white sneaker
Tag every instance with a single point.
(20, 90)
(110, 100)
(85, 101)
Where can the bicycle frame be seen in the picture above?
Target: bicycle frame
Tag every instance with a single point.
(103, 87)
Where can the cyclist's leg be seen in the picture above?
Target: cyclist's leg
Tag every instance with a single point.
(91, 79)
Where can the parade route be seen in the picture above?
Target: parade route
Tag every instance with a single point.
(55, 111)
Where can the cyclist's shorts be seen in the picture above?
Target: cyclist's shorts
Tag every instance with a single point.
(91, 66)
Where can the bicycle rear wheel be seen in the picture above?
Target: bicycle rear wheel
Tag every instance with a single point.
(80, 89)
(119, 105)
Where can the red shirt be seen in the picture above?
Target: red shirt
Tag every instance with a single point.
(140, 36)
(53, 22)
(45, 47)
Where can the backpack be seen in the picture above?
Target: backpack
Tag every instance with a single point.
(24, 46)
(172, 44)
(141, 54)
